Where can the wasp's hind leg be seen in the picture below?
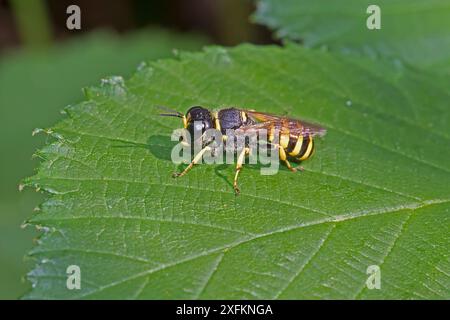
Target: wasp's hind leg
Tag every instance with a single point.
(283, 158)
(196, 159)
(240, 161)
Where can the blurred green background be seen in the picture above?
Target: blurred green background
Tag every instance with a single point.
(43, 67)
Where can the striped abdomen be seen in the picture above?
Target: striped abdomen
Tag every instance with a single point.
(298, 147)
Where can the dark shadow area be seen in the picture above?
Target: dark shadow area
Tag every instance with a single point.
(218, 170)
(161, 146)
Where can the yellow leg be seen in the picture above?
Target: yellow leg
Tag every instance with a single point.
(239, 164)
(283, 157)
(194, 161)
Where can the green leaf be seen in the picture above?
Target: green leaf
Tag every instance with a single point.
(416, 31)
(375, 193)
(34, 88)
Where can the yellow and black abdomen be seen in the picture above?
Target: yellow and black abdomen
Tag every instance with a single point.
(300, 147)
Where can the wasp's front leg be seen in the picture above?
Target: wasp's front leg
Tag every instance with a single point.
(193, 162)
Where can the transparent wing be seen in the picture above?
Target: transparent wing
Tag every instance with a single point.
(307, 128)
(261, 116)
(294, 126)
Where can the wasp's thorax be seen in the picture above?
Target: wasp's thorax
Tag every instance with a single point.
(232, 118)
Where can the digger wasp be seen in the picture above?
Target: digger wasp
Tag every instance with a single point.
(294, 141)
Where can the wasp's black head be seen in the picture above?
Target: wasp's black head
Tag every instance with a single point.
(198, 120)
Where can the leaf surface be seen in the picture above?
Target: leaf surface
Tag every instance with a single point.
(375, 193)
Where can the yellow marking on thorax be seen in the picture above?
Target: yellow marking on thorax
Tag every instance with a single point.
(298, 146)
(216, 120)
(308, 149)
(243, 116)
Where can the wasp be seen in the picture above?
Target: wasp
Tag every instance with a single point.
(295, 139)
